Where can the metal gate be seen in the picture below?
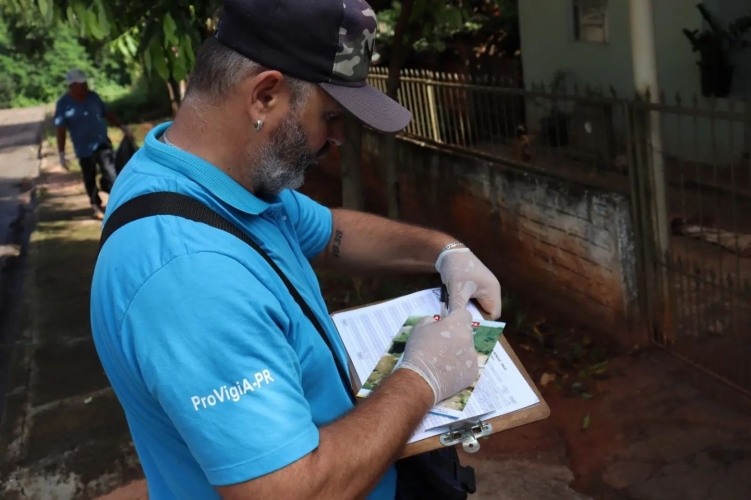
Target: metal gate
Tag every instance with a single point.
(691, 185)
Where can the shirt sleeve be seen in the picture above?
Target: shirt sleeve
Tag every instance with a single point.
(100, 103)
(60, 114)
(209, 342)
(312, 221)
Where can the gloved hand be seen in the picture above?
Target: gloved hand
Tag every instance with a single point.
(443, 353)
(63, 160)
(467, 278)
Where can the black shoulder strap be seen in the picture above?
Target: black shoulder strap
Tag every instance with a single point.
(168, 203)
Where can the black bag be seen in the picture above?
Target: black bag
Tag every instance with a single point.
(125, 151)
(435, 475)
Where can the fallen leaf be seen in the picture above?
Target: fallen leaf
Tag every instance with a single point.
(537, 332)
(88, 400)
(585, 422)
(526, 347)
(599, 366)
(547, 378)
(585, 395)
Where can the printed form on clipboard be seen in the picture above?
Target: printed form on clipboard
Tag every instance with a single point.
(368, 334)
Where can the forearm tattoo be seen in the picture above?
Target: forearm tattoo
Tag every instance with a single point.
(337, 243)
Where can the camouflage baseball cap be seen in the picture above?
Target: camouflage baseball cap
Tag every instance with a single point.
(328, 42)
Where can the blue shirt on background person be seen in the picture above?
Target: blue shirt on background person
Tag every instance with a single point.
(223, 394)
(86, 121)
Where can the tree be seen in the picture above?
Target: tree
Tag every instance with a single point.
(35, 54)
(160, 34)
(418, 26)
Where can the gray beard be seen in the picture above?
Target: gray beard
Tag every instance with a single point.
(281, 164)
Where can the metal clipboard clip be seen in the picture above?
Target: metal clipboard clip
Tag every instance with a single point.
(467, 436)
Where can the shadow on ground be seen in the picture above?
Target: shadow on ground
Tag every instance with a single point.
(65, 431)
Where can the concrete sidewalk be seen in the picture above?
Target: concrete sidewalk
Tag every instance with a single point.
(19, 165)
(64, 431)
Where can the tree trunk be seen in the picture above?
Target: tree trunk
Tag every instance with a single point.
(183, 88)
(351, 164)
(399, 51)
(176, 93)
(172, 97)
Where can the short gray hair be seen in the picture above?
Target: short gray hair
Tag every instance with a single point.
(219, 70)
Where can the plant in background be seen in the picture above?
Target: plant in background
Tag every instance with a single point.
(35, 54)
(716, 46)
(432, 24)
(160, 35)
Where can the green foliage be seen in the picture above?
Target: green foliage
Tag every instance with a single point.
(717, 44)
(35, 54)
(33, 67)
(162, 35)
(433, 23)
(146, 99)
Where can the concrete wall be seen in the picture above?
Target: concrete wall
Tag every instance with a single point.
(556, 242)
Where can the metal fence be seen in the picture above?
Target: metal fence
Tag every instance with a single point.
(702, 155)
(684, 162)
(572, 132)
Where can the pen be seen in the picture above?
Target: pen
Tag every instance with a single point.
(444, 301)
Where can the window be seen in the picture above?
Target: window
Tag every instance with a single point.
(591, 21)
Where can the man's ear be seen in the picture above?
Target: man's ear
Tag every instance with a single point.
(265, 94)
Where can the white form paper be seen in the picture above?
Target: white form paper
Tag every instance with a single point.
(368, 331)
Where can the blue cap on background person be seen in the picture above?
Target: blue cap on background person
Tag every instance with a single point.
(328, 42)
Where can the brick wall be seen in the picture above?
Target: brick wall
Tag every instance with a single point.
(556, 242)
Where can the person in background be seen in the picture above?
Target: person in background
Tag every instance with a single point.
(83, 113)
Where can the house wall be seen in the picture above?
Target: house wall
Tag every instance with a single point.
(548, 45)
(566, 246)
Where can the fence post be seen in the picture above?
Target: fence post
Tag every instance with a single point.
(652, 218)
(747, 128)
(432, 107)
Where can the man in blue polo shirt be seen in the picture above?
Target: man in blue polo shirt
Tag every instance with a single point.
(228, 388)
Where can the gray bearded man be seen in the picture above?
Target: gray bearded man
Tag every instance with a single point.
(218, 344)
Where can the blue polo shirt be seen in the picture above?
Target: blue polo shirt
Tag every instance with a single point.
(86, 121)
(221, 376)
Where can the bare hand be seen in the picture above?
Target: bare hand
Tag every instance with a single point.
(63, 160)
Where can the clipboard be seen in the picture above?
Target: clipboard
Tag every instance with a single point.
(468, 432)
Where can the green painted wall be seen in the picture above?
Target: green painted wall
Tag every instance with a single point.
(548, 46)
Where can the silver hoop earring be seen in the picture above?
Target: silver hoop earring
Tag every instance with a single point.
(258, 125)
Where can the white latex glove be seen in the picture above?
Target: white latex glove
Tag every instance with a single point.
(63, 160)
(443, 353)
(467, 278)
